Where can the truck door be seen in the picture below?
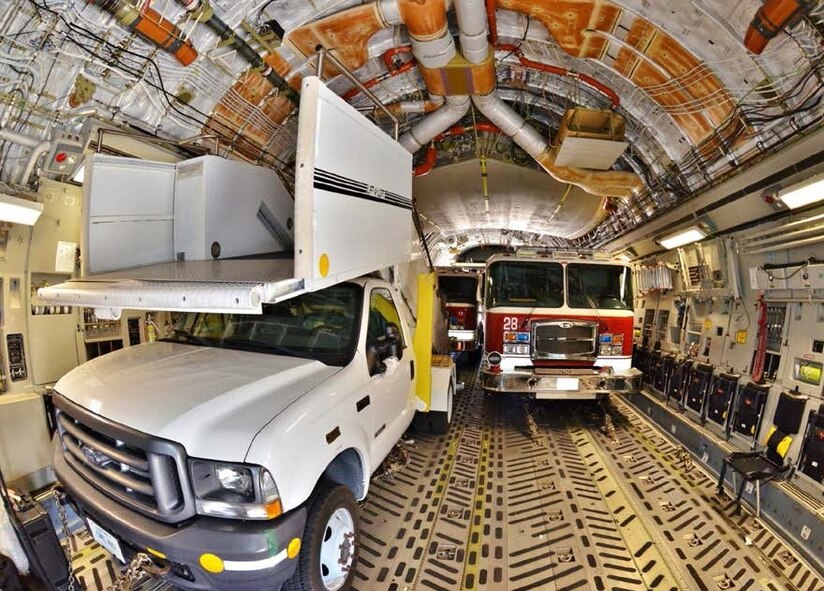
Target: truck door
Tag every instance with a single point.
(389, 359)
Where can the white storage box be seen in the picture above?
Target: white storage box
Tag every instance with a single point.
(224, 209)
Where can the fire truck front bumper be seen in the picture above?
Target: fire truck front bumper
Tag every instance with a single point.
(463, 340)
(561, 384)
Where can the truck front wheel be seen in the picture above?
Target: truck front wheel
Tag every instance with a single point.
(330, 543)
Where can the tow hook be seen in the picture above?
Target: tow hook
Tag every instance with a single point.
(532, 382)
(157, 571)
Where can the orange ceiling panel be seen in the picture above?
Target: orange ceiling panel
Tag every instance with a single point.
(249, 114)
(568, 19)
(348, 32)
(673, 77)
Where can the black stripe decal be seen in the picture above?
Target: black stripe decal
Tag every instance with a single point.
(332, 435)
(363, 403)
(360, 188)
(359, 195)
(332, 177)
(344, 186)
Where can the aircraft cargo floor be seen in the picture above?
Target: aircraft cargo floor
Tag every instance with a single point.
(536, 495)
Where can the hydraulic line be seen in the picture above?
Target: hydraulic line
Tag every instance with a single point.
(151, 26)
(202, 11)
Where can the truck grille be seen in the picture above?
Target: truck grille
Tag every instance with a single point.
(144, 473)
(564, 339)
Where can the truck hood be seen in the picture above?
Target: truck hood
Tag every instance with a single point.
(212, 401)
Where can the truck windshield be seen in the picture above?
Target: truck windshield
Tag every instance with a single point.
(606, 287)
(323, 325)
(525, 285)
(459, 290)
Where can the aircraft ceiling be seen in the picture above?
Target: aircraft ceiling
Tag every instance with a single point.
(698, 105)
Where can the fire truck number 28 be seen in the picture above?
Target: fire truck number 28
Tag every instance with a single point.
(510, 323)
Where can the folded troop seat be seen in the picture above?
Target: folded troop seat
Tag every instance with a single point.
(770, 463)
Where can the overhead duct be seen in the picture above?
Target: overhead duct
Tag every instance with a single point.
(772, 18)
(604, 184)
(434, 124)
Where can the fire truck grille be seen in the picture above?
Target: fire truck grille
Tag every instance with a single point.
(564, 339)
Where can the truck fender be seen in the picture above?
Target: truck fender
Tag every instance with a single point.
(348, 469)
(298, 463)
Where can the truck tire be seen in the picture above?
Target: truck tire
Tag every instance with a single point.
(330, 543)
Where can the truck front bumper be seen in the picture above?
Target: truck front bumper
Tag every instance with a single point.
(463, 340)
(254, 553)
(554, 384)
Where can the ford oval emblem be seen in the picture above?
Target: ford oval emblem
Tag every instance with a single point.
(95, 457)
(566, 325)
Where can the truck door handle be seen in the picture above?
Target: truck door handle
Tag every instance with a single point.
(412, 370)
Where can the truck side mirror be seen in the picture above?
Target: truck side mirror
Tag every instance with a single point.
(392, 343)
(392, 348)
(374, 360)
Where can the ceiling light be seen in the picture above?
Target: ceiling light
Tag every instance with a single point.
(19, 211)
(688, 236)
(802, 195)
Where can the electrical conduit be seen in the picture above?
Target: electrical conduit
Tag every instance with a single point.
(202, 11)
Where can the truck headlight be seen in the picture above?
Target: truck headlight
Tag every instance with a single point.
(235, 479)
(235, 491)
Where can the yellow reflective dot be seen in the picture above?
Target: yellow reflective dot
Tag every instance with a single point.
(323, 265)
(211, 563)
(157, 553)
(293, 548)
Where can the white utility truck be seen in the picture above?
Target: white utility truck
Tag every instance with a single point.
(233, 451)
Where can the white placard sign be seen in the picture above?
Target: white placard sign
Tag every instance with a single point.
(65, 256)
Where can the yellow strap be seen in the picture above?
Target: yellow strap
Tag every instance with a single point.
(784, 446)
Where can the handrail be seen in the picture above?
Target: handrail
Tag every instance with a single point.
(102, 131)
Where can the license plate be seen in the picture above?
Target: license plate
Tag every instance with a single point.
(566, 384)
(106, 540)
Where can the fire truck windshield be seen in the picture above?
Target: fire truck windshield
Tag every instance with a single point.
(605, 287)
(525, 284)
(459, 289)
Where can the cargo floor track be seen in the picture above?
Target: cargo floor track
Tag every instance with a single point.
(534, 495)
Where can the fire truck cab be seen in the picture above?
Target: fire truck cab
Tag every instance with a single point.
(461, 292)
(558, 327)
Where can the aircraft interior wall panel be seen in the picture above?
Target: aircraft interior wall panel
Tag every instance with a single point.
(14, 250)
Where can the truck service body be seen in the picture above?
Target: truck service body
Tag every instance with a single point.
(558, 328)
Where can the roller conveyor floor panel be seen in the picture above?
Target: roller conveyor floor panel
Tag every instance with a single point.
(535, 495)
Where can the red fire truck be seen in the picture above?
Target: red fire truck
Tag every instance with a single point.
(461, 291)
(558, 327)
